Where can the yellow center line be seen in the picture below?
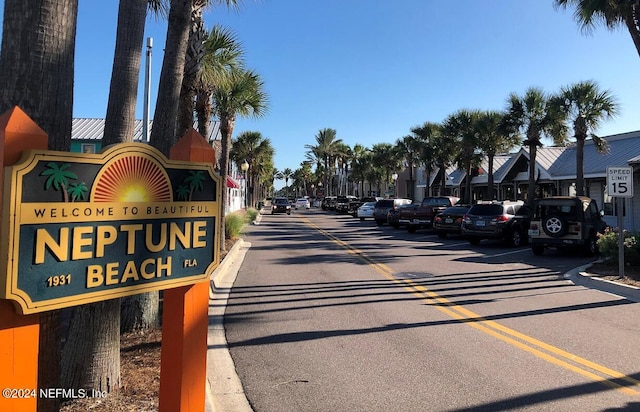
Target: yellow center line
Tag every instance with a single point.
(493, 328)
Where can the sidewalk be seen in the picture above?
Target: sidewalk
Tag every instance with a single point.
(224, 389)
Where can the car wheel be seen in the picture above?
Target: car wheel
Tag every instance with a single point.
(411, 229)
(537, 250)
(474, 240)
(554, 225)
(591, 247)
(442, 235)
(515, 238)
(288, 213)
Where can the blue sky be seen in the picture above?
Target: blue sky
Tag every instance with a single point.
(373, 69)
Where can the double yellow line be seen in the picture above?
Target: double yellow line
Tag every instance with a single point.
(542, 350)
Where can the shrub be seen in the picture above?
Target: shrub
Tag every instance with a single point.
(251, 215)
(233, 224)
(608, 246)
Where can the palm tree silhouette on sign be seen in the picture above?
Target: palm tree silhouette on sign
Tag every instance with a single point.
(59, 178)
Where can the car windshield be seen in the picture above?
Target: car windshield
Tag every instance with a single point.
(281, 201)
(369, 204)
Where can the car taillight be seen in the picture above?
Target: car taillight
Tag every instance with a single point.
(533, 226)
(575, 228)
(466, 219)
(459, 220)
(438, 219)
(501, 219)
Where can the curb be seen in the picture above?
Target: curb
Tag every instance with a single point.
(581, 276)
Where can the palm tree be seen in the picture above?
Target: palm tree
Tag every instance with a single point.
(585, 106)
(163, 132)
(222, 54)
(409, 148)
(531, 115)
(287, 173)
(325, 150)
(359, 165)
(494, 137)
(36, 73)
(461, 128)
(386, 157)
(123, 91)
(343, 154)
(241, 94)
(428, 135)
(254, 149)
(612, 13)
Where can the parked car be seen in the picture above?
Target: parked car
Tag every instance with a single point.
(449, 221)
(383, 206)
(328, 203)
(356, 203)
(422, 216)
(393, 216)
(506, 220)
(303, 203)
(366, 210)
(342, 203)
(566, 221)
(280, 205)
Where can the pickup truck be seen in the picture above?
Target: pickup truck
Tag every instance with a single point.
(421, 217)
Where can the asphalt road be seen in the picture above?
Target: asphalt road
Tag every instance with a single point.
(329, 313)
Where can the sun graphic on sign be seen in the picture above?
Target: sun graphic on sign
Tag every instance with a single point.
(129, 178)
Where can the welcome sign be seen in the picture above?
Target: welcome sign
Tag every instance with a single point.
(80, 228)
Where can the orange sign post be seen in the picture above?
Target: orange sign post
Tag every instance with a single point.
(19, 334)
(185, 320)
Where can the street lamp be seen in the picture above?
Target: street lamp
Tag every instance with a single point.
(244, 167)
(395, 186)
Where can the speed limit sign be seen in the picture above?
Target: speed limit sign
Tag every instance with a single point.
(620, 181)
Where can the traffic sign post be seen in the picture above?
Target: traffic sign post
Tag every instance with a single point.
(620, 186)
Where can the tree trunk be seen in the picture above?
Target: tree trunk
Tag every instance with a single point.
(123, 91)
(140, 312)
(226, 130)
(193, 61)
(490, 195)
(36, 74)
(163, 132)
(531, 190)
(36, 64)
(89, 358)
(204, 109)
(579, 167)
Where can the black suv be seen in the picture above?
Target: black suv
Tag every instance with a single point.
(508, 221)
(281, 205)
(342, 203)
(566, 221)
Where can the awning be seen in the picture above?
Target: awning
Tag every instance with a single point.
(232, 184)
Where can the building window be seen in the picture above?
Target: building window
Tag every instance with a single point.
(88, 148)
